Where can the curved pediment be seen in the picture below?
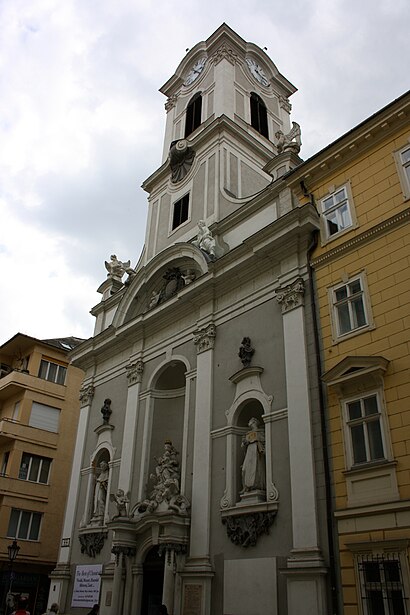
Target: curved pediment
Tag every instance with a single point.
(163, 277)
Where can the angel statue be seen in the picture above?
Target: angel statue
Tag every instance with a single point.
(121, 501)
(205, 240)
(290, 142)
(116, 268)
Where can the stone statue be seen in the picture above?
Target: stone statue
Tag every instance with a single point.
(290, 142)
(180, 157)
(253, 468)
(166, 494)
(204, 240)
(246, 351)
(116, 268)
(106, 411)
(188, 276)
(121, 501)
(101, 487)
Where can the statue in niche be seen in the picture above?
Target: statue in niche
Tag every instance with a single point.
(100, 492)
(205, 241)
(121, 501)
(246, 351)
(291, 141)
(106, 411)
(253, 467)
(116, 268)
(166, 494)
(180, 158)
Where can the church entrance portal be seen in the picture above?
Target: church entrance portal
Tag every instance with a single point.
(153, 581)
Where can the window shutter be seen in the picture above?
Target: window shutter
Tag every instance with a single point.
(44, 417)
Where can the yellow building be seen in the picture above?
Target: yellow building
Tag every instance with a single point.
(39, 409)
(360, 185)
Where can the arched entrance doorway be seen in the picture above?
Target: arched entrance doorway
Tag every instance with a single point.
(153, 581)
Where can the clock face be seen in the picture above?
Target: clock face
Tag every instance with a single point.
(195, 71)
(257, 71)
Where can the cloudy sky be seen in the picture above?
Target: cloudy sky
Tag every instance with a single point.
(82, 121)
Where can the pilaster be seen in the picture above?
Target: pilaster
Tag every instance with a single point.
(134, 376)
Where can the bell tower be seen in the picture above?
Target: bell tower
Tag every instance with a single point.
(227, 113)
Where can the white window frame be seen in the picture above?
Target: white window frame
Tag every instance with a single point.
(402, 165)
(348, 423)
(379, 555)
(335, 208)
(335, 304)
(42, 459)
(17, 532)
(59, 366)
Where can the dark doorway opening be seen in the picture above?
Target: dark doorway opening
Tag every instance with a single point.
(153, 581)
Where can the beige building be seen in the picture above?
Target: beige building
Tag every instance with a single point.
(39, 409)
(360, 185)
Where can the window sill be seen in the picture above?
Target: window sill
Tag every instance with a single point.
(369, 465)
(347, 336)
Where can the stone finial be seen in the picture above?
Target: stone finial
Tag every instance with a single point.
(204, 339)
(106, 411)
(291, 296)
(86, 395)
(246, 351)
(116, 268)
(134, 372)
(291, 142)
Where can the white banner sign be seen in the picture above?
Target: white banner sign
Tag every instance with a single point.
(87, 583)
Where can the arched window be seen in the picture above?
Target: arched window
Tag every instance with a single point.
(193, 114)
(259, 116)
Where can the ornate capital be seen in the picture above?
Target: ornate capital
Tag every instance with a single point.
(204, 339)
(284, 103)
(291, 296)
(86, 395)
(134, 372)
(224, 53)
(124, 550)
(171, 102)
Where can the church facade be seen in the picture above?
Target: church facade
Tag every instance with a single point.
(198, 479)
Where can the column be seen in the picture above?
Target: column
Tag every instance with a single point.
(204, 340)
(169, 581)
(134, 376)
(86, 397)
(138, 576)
(306, 592)
(116, 601)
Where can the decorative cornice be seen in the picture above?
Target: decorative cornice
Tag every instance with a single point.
(134, 372)
(171, 102)
(284, 103)
(224, 53)
(378, 229)
(124, 550)
(291, 296)
(86, 395)
(204, 339)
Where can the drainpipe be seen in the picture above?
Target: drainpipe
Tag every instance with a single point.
(323, 425)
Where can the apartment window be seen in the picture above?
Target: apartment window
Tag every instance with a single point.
(34, 468)
(365, 427)
(24, 524)
(259, 115)
(180, 213)
(382, 589)
(52, 372)
(349, 306)
(6, 456)
(403, 165)
(336, 211)
(44, 417)
(193, 114)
